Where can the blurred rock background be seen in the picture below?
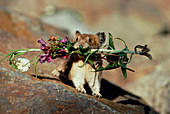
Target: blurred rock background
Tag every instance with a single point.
(136, 21)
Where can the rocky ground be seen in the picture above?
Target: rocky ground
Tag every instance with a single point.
(137, 22)
(22, 93)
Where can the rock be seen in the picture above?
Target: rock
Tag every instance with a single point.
(155, 88)
(19, 93)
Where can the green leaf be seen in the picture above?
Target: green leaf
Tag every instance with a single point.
(13, 54)
(112, 66)
(80, 53)
(108, 67)
(122, 65)
(100, 69)
(80, 50)
(59, 38)
(68, 41)
(4, 54)
(83, 51)
(124, 72)
(35, 68)
(123, 43)
(111, 43)
(69, 46)
(35, 57)
(90, 62)
(109, 47)
(111, 59)
(123, 68)
(130, 58)
(18, 54)
(13, 65)
(3, 58)
(7, 55)
(88, 58)
(122, 54)
(12, 58)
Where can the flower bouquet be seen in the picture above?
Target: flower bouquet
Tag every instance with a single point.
(63, 48)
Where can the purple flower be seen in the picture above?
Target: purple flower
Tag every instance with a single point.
(49, 59)
(43, 44)
(63, 53)
(65, 56)
(45, 57)
(65, 40)
(47, 54)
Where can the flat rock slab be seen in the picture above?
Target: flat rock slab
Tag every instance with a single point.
(20, 93)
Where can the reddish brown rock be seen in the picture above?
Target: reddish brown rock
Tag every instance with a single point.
(20, 94)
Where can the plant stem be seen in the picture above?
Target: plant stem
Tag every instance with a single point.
(28, 50)
(116, 51)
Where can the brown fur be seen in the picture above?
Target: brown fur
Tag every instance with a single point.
(86, 74)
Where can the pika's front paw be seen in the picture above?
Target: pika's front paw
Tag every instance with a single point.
(97, 94)
(81, 89)
(55, 73)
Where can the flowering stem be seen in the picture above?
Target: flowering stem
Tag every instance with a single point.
(116, 51)
(88, 57)
(35, 68)
(27, 50)
(34, 57)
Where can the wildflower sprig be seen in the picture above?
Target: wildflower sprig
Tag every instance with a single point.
(58, 47)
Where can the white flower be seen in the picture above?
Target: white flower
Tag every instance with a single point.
(22, 64)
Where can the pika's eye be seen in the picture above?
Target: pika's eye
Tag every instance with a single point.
(89, 40)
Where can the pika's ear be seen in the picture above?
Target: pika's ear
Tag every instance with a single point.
(102, 38)
(77, 33)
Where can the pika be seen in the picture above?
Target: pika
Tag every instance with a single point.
(86, 74)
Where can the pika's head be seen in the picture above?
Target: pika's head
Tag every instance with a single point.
(85, 40)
